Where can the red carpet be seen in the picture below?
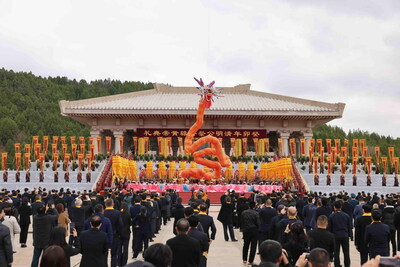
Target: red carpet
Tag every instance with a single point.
(214, 197)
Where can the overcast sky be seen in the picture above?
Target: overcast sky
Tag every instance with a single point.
(325, 50)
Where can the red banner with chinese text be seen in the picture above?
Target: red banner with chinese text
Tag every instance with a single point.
(337, 145)
(312, 144)
(135, 140)
(396, 165)
(121, 144)
(315, 165)
(72, 138)
(292, 143)
(63, 140)
(384, 164)
(17, 160)
(280, 146)
(17, 147)
(55, 140)
(266, 142)
(45, 144)
(53, 148)
(354, 165)
(342, 165)
(368, 163)
(333, 155)
(319, 145)
(27, 148)
(229, 133)
(27, 160)
(329, 165)
(99, 145)
(74, 149)
(328, 146)
(108, 145)
(4, 161)
(303, 147)
(377, 154)
(365, 151)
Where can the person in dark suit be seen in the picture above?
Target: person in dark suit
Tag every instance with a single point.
(79, 177)
(267, 213)
(186, 251)
(340, 224)
(6, 250)
(377, 236)
(309, 212)
(116, 224)
(25, 213)
(142, 223)
(88, 176)
(5, 176)
(43, 222)
(94, 245)
(207, 222)
(359, 238)
(225, 216)
(178, 211)
(321, 237)
(125, 234)
(199, 236)
(105, 223)
(134, 210)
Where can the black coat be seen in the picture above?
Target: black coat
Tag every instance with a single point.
(42, 225)
(126, 226)
(322, 238)
(6, 251)
(185, 250)
(207, 222)
(93, 248)
(359, 237)
(25, 213)
(201, 237)
(377, 237)
(226, 213)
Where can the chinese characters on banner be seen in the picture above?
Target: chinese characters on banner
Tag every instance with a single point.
(239, 133)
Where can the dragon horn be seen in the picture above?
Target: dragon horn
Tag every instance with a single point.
(199, 82)
(211, 84)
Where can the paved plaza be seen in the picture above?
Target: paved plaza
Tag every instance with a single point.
(221, 253)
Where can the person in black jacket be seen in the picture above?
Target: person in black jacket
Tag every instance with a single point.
(94, 245)
(125, 234)
(360, 224)
(186, 251)
(57, 237)
(225, 216)
(340, 225)
(116, 224)
(250, 222)
(25, 213)
(199, 236)
(6, 250)
(142, 223)
(377, 236)
(42, 224)
(178, 211)
(266, 213)
(321, 237)
(207, 222)
(388, 215)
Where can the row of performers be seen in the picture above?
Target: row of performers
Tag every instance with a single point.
(221, 181)
(41, 177)
(342, 180)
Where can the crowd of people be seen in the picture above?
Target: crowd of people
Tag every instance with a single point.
(287, 229)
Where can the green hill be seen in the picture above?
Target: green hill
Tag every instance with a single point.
(29, 104)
